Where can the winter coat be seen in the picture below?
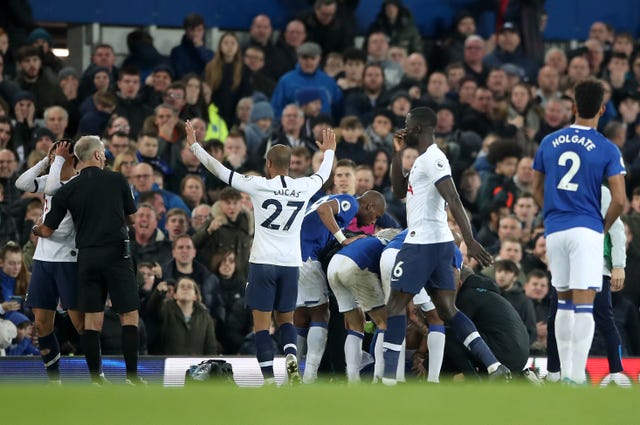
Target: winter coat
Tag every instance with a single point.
(186, 58)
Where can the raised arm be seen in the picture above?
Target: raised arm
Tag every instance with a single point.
(209, 162)
(449, 193)
(28, 181)
(328, 146)
(53, 180)
(398, 178)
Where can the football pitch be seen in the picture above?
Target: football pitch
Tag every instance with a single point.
(327, 404)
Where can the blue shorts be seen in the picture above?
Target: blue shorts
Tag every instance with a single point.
(51, 281)
(423, 266)
(271, 288)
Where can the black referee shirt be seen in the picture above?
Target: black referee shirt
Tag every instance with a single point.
(98, 201)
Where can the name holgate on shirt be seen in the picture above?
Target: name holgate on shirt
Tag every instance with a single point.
(580, 140)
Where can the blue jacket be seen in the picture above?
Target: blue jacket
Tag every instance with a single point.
(7, 286)
(186, 58)
(22, 348)
(291, 82)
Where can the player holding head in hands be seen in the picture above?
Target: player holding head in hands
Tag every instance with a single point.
(279, 203)
(425, 257)
(569, 167)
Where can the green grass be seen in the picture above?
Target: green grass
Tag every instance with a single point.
(327, 404)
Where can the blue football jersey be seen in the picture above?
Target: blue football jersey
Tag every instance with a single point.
(575, 162)
(397, 241)
(365, 253)
(314, 235)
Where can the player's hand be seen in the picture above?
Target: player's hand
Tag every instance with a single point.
(10, 306)
(352, 239)
(617, 279)
(398, 140)
(62, 149)
(475, 250)
(328, 140)
(191, 134)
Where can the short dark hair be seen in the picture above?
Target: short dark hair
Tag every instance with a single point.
(147, 197)
(25, 52)
(192, 20)
(506, 265)
(355, 55)
(588, 96)
(346, 162)
(536, 273)
(230, 194)
(128, 70)
(636, 191)
(424, 116)
(138, 37)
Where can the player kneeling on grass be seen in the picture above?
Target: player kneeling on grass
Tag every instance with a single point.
(354, 277)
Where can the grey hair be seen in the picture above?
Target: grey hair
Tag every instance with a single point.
(474, 37)
(299, 110)
(86, 146)
(53, 108)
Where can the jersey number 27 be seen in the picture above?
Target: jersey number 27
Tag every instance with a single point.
(268, 223)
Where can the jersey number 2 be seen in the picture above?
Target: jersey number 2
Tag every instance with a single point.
(565, 181)
(268, 223)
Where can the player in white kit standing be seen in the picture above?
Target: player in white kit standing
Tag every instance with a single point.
(279, 204)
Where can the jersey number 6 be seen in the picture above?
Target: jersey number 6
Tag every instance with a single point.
(268, 223)
(397, 270)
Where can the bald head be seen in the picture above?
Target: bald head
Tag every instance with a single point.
(280, 157)
(375, 199)
(371, 207)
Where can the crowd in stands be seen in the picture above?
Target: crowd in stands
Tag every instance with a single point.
(495, 102)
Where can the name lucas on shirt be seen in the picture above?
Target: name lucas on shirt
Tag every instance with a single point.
(287, 192)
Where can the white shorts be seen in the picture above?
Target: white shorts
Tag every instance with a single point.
(575, 259)
(387, 261)
(423, 300)
(312, 285)
(353, 286)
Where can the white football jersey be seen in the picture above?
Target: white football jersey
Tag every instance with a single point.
(426, 214)
(61, 245)
(278, 206)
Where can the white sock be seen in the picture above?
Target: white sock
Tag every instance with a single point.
(401, 362)
(435, 343)
(553, 376)
(564, 330)
(316, 342)
(378, 352)
(353, 355)
(583, 328)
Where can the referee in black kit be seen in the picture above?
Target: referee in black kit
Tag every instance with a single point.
(101, 206)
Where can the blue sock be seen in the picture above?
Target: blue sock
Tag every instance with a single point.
(467, 333)
(52, 359)
(393, 337)
(288, 337)
(303, 332)
(264, 353)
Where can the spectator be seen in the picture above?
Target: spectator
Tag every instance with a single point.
(179, 336)
(286, 48)
(290, 132)
(103, 58)
(177, 223)
(258, 130)
(300, 165)
(363, 103)
(333, 65)
(41, 82)
(142, 176)
(395, 20)
(147, 152)
(476, 118)
(169, 130)
(95, 122)
(307, 74)
(260, 34)
(451, 48)
(548, 85)
(230, 226)
(42, 40)
(414, 80)
(130, 104)
(377, 47)
(237, 323)
(124, 164)
(22, 344)
(14, 277)
(142, 53)
(354, 63)
(184, 265)
(474, 51)
(195, 104)
(254, 60)
(524, 113)
(155, 85)
(8, 177)
(236, 157)
(116, 144)
(537, 257)
(380, 131)
(149, 244)
(227, 77)
(199, 215)
(191, 55)
(352, 141)
(511, 289)
(326, 27)
(68, 82)
(554, 119)
(509, 50)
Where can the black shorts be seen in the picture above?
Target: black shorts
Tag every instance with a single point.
(104, 270)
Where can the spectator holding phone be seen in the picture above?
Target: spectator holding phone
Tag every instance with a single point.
(14, 278)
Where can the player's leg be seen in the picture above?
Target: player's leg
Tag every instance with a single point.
(409, 274)
(387, 261)
(585, 281)
(603, 317)
(465, 330)
(260, 295)
(553, 360)
(435, 343)
(563, 324)
(301, 320)
(66, 279)
(286, 296)
(312, 285)
(42, 297)
(344, 275)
